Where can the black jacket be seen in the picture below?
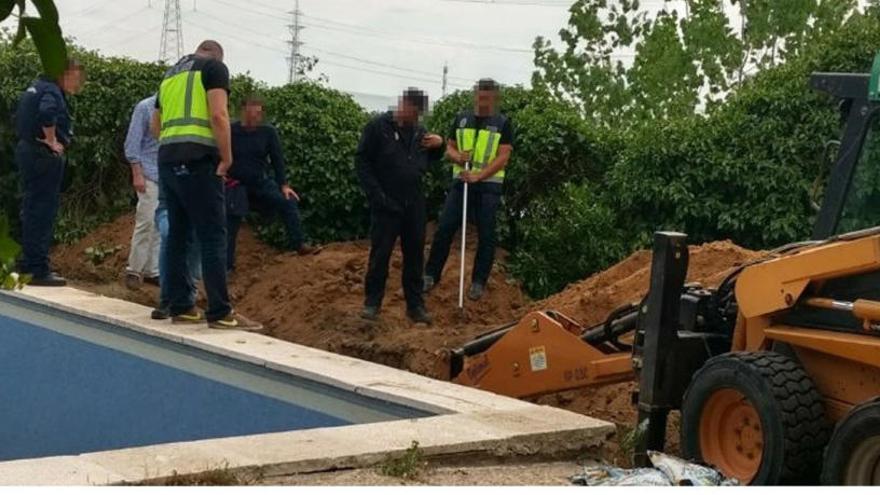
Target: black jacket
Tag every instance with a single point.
(390, 169)
(43, 104)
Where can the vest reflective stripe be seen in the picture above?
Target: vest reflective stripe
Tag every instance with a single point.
(184, 103)
(483, 145)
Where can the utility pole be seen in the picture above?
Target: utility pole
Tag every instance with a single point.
(445, 73)
(294, 58)
(171, 48)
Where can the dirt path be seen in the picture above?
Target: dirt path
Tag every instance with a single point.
(315, 300)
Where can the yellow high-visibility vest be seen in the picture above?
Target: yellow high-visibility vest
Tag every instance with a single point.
(482, 144)
(184, 103)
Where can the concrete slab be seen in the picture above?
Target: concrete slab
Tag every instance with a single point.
(470, 420)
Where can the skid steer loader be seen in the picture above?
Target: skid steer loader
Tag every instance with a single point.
(776, 371)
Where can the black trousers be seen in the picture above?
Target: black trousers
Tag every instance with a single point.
(483, 202)
(267, 198)
(41, 175)
(195, 198)
(385, 228)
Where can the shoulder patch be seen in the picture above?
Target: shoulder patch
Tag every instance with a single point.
(463, 122)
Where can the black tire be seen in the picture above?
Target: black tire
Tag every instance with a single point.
(786, 402)
(853, 454)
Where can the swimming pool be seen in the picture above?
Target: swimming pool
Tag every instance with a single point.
(71, 385)
(95, 392)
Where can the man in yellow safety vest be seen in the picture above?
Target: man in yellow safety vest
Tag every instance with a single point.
(479, 147)
(195, 152)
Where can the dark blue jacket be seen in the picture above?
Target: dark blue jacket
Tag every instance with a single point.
(43, 105)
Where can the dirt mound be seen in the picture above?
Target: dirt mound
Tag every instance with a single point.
(315, 301)
(589, 301)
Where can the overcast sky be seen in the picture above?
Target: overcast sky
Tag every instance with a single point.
(364, 46)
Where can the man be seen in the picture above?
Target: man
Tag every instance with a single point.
(482, 138)
(141, 151)
(195, 153)
(44, 128)
(255, 145)
(393, 154)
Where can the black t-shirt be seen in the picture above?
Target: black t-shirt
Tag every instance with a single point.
(215, 75)
(506, 130)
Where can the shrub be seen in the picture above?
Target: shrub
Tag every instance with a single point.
(567, 235)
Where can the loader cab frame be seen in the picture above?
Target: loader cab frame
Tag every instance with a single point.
(852, 196)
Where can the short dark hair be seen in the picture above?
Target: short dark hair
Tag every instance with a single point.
(210, 46)
(417, 98)
(252, 99)
(73, 64)
(487, 84)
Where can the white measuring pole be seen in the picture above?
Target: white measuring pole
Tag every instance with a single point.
(467, 166)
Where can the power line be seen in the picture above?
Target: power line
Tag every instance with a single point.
(294, 59)
(171, 46)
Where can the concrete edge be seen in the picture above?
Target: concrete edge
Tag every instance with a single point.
(471, 420)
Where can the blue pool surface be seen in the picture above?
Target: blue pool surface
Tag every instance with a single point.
(62, 394)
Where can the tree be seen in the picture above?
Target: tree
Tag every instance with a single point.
(682, 60)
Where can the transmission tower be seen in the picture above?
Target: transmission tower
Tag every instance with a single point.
(293, 59)
(171, 48)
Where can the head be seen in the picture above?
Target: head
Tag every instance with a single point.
(210, 49)
(73, 77)
(411, 104)
(485, 97)
(252, 111)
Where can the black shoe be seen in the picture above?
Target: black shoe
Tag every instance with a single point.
(370, 313)
(476, 291)
(428, 283)
(161, 313)
(51, 280)
(419, 315)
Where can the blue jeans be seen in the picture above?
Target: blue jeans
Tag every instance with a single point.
(193, 259)
(196, 201)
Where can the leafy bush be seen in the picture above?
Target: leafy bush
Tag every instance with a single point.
(746, 170)
(569, 234)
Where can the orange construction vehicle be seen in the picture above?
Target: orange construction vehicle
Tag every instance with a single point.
(776, 371)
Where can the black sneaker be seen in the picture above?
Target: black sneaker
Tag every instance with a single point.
(428, 283)
(51, 280)
(419, 315)
(161, 313)
(370, 313)
(476, 291)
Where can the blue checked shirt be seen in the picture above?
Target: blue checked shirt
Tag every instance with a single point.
(140, 146)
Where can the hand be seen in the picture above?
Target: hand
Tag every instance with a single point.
(432, 141)
(139, 183)
(55, 146)
(289, 193)
(463, 157)
(223, 168)
(470, 177)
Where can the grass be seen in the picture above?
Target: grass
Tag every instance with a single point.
(220, 476)
(408, 466)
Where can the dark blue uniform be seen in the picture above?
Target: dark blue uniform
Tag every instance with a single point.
(41, 171)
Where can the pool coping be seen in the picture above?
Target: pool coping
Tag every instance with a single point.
(469, 420)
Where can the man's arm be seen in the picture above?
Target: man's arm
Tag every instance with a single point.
(133, 141)
(364, 159)
(276, 156)
(47, 117)
(497, 164)
(217, 104)
(156, 123)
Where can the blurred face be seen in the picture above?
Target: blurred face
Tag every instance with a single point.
(407, 112)
(72, 81)
(485, 101)
(252, 114)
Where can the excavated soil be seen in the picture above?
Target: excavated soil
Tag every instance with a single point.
(315, 300)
